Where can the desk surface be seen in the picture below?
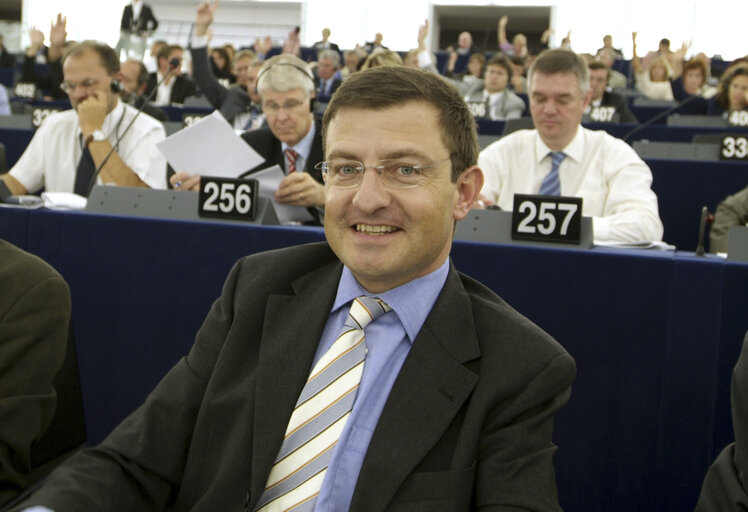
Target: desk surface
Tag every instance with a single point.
(654, 334)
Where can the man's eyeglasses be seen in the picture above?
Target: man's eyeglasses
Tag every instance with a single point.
(69, 87)
(289, 106)
(396, 173)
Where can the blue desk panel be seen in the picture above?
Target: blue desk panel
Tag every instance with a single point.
(654, 335)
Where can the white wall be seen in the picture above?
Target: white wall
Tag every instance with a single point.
(708, 22)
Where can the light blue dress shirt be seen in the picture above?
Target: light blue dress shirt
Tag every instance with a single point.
(388, 340)
(302, 148)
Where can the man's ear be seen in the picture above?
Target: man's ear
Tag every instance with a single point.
(468, 188)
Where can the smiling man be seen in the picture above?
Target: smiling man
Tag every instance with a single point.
(362, 374)
(560, 157)
(70, 145)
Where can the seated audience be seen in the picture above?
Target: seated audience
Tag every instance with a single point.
(371, 46)
(70, 145)
(293, 140)
(176, 87)
(220, 65)
(518, 46)
(465, 45)
(353, 59)
(7, 59)
(692, 84)
(57, 39)
(382, 57)
(519, 81)
(152, 63)
(725, 488)
(612, 102)
(608, 45)
(134, 77)
(325, 43)
(732, 211)
(560, 157)
(327, 73)
(240, 64)
(732, 91)
(617, 80)
(500, 102)
(448, 403)
(474, 69)
(34, 318)
(241, 106)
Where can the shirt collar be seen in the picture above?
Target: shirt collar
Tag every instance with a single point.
(573, 150)
(412, 301)
(304, 146)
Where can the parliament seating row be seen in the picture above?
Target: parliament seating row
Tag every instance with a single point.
(655, 336)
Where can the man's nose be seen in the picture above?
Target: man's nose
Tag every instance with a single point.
(372, 194)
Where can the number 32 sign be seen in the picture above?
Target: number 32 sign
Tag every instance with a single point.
(547, 218)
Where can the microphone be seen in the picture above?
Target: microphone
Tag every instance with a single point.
(662, 114)
(706, 218)
(173, 64)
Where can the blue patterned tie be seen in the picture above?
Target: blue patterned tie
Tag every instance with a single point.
(551, 185)
(320, 415)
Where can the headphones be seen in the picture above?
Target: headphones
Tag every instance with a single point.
(304, 71)
(116, 86)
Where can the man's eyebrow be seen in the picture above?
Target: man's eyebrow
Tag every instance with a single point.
(405, 153)
(341, 155)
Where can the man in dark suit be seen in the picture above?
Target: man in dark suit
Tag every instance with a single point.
(605, 104)
(7, 59)
(175, 88)
(240, 105)
(453, 408)
(142, 24)
(325, 43)
(134, 78)
(328, 74)
(725, 488)
(34, 318)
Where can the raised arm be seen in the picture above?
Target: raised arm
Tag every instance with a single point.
(635, 61)
(501, 31)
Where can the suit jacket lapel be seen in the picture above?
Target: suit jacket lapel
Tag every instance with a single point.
(292, 329)
(431, 388)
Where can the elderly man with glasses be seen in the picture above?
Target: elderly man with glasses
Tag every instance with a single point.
(70, 146)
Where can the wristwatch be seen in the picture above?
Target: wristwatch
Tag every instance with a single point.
(97, 136)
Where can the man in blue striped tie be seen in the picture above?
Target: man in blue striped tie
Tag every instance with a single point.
(561, 157)
(361, 374)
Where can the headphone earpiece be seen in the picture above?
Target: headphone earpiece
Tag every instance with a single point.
(116, 85)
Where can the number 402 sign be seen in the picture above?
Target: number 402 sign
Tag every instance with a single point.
(547, 218)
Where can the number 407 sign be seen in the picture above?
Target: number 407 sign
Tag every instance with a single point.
(547, 218)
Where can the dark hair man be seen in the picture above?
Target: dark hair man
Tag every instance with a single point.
(435, 394)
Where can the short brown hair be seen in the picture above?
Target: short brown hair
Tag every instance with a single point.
(695, 63)
(107, 55)
(723, 89)
(385, 87)
(597, 65)
(560, 60)
(501, 60)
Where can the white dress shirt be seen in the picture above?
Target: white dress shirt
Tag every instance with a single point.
(163, 95)
(51, 158)
(613, 182)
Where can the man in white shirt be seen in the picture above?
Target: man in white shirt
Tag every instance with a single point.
(614, 183)
(70, 145)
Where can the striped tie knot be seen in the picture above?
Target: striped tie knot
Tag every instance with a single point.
(291, 156)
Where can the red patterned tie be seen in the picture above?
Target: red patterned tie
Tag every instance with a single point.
(291, 156)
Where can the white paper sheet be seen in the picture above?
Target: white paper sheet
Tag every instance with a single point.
(269, 179)
(210, 147)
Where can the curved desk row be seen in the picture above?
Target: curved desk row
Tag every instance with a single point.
(654, 334)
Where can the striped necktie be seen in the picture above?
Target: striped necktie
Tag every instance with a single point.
(320, 415)
(551, 185)
(291, 156)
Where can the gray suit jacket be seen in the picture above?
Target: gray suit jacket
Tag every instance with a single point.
(510, 106)
(467, 425)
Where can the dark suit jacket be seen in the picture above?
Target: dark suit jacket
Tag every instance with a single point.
(34, 317)
(183, 88)
(336, 81)
(467, 425)
(725, 487)
(146, 22)
(229, 102)
(270, 148)
(7, 60)
(612, 99)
